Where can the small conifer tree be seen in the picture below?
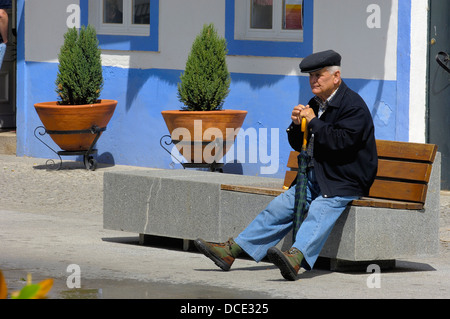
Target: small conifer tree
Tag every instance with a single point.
(205, 82)
(79, 79)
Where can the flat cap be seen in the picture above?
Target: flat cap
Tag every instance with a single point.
(320, 60)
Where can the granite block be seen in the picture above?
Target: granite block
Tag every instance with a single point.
(182, 204)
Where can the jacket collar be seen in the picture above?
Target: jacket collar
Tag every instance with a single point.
(337, 98)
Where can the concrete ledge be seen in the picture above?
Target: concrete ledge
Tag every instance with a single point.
(180, 203)
(187, 204)
(8, 143)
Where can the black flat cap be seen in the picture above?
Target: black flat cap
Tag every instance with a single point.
(320, 60)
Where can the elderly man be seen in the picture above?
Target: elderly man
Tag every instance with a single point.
(342, 168)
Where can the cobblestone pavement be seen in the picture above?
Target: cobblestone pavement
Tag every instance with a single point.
(51, 219)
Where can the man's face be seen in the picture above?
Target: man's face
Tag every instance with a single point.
(323, 83)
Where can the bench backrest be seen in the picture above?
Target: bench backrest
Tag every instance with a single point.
(404, 170)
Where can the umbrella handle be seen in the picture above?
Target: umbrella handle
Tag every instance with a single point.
(304, 129)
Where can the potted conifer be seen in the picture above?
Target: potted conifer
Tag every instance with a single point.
(76, 120)
(203, 88)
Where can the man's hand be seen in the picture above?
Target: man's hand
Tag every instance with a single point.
(302, 111)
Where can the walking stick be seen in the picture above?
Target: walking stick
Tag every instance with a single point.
(304, 129)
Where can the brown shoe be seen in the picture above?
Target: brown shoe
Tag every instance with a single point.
(288, 262)
(223, 254)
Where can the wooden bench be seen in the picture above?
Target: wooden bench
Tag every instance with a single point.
(401, 185)
(404, 170)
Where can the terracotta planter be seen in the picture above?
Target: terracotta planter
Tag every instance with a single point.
(61, 118)
(196, 132)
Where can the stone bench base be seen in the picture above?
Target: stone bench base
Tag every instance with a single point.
(188, 204)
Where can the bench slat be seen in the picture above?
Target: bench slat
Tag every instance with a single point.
(398, 191)
(412, 171)
(393, 150)
(289, 178)
(365, 201)
(406, 150)
(293, 160)
(252, 189)
(380, 190)
(382, 203)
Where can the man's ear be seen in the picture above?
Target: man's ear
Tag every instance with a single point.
(337, 77)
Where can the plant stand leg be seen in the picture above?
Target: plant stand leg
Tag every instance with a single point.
(40, 130)
(89, 162)
(166, 140)
(213, 167)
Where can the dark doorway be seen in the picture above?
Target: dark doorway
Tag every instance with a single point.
(439, 85)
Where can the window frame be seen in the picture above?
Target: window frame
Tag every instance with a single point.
(125, 28)
(124, 42)
(269, 48)
(243, 31)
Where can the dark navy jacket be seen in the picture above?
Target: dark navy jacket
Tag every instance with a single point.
(345, 154)
(5, 4)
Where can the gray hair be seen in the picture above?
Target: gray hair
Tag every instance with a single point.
(333, 69)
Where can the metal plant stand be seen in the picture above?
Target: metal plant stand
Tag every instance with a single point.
(89, 162)
(213, 167)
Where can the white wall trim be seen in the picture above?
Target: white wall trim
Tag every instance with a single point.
(418, 72)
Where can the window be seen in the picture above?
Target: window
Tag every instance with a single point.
(130, 17)
(280, 28)
(269, 20)
(123, 24)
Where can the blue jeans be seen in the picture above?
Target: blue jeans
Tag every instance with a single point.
(276, 220)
